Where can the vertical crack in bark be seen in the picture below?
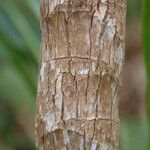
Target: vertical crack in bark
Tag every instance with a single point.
(63, 96)
(84, 137)
(89, 71)
(67, 21)
(76, 91)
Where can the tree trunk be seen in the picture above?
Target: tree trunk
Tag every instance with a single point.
(82, 54)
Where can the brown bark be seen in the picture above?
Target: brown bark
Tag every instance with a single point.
(82, 55)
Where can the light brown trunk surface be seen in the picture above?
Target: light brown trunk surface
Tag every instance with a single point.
(81, 63)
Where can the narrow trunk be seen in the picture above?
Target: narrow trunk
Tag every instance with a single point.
(81, 63)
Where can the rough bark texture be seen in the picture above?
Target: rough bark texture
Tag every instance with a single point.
(81, 63)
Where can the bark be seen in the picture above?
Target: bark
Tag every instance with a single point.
(82, 54)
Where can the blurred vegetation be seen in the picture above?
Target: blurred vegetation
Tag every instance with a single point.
(19, 52)
(146, 46)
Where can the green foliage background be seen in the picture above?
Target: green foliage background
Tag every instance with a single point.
(19, 52)
(146, 46)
